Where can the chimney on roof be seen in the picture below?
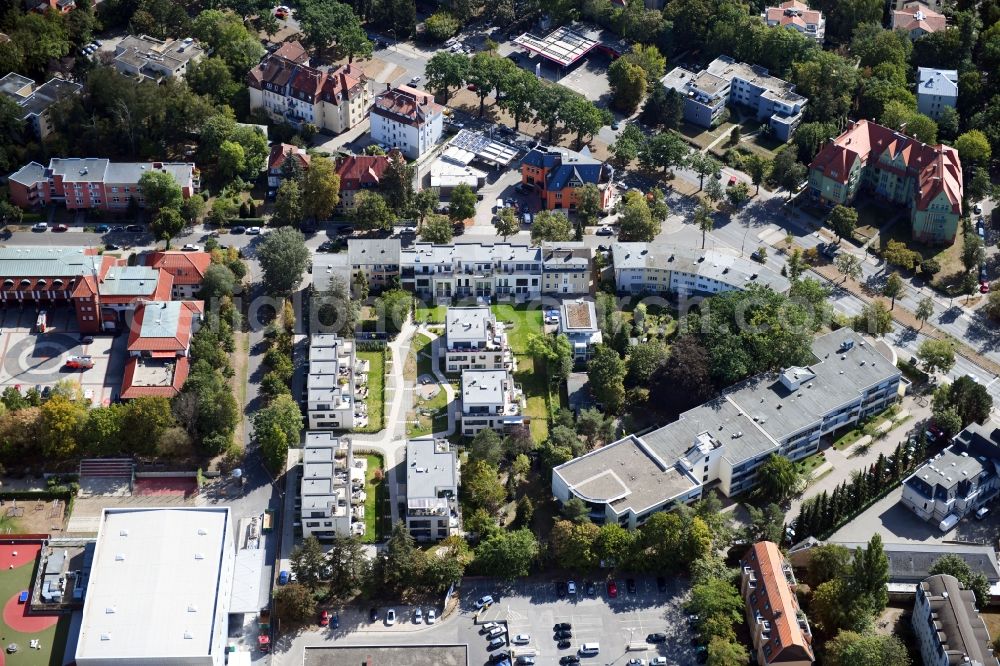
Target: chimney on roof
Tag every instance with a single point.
(388, 87)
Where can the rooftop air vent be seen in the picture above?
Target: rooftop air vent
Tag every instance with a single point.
(202, 531)
(110, 610)
(105, 635)
(120, 557)
(199, 556)
(123, 533)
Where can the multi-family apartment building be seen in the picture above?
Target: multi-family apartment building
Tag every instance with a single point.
(658, 268)
(80, 183)
(35, 101)
(895, 168)
(725, 81)
(332, 487)
(501, 270)
(947, 625)
(377, 258)
(490, 400)
(146, 57)
(407, 119)
(330, 385)
(799, 17)
(475, 341)
(725, 441)
(917, 19)
(779, 629)
(358, 173)
(578, 322)
(186, 268)
(960, 479)
(291, 91)
(432, 510)
(278, 162)
(159, 342)
(936, 89)
(567, 268)
(557, 174)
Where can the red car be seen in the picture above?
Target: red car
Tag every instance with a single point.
(324, 619)
(984, 288)
(612, 589)
(60, 227)
(472, 87)
(732, 181)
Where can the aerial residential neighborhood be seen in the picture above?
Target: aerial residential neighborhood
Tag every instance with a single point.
(502, 333)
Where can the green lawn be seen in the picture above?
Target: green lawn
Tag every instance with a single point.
(426, 424)
(377, 514)
(526, 322)
(535, 389)
(847, 439)
(808, 464)
(52, 640)
(376, 389)
(423, 349)
(431, 315)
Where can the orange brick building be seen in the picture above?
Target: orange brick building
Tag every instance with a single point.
(557, 174)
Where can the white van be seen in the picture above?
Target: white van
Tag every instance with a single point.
(590, 649)
(949, 522)
(499, 205)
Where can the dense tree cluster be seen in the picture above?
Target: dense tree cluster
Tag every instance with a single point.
(961, 403)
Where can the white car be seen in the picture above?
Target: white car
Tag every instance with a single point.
(658, 661)
(253, 231)
(415, 80)
(571, 587)
(418, 616)
(191, 247)
(41, 226)
(522, 639)
(431, 616)
(390, 617)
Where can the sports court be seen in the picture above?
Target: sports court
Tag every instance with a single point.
(19, 631)
(170, 486)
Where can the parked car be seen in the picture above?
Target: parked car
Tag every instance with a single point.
(525, 659)
(191, 247)
(614, 124)
(253, 231)
(431, 616)
(984, 288)
(418, 616)
(496, 644)
(605, 231)
(373, 615)
(732, 181)
(415, 80)
(335, 620)
(560, 589)
(117, 229)
(101, 228)
(134, 229)
(562, 626)
(630, 585)
(521, 639)
(390, 617)
(284, 577)
(569, 659)
(80, 362)
(40, 226)
(635, 662)
(571, 587)
(484, 602)
(112, 246)
(238, 230)
(327, 246)
(656, 638)
(563, 645)
(612, 589)
(658, 661)
(86, 339)
(346, 231)
(563, 635)
(324, 619)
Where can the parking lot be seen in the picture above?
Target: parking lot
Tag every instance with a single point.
(533, 606)
(34, 360)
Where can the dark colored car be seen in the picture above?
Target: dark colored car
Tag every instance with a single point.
(661, 584)
(564, 634)
(101, 228)
(327, 246)
(117, 229)
(496, 644)
(499, 657)
(46, 391)
(238, 230)
(373, 615)
(563, 645)
(112, 246)
(86, 339)
(570, 659)
(612, 589)
(134, 229)
(562, 626)
(346, 231)
(335, 620)
(656, 638)
(630, 585)
(561, 589)
(591, 588)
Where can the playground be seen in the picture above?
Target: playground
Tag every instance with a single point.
(32, 516)
(26, 640)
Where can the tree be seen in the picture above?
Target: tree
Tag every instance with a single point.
(828, 562)
(324, 23)
(606, 374)
(828, 609)
(463, 203)
(719, 599)
(440, 26)
(664, 150)
(968, 398)
(353, 41)
(520, 90)
(726, 652)
(628, 144)
(738, 194)
(231, 160)
(636, 222)
(308, 562)
(588, 203)
(572, 544)
(218, 282)
(401, 565)
(848, 265)
(703, 164)
(849, 648)
(685, 379)
(582, 116)
(759, 168)
(787, 172)
(614, 545)
(778, 478)
(506, 222)
(396, 184)
(973, 148)
(349, 567)
(62, 420)
(482, 488)
(628, 85)
(337, 312)
(843, 220)
(552, 226)
(595, 427)
(644, 360)
(875, 319)
(167, 224)
(557, 354)
(936, 355)
(992, 307)
(446, 71)
(283, 257)
(954, 565)
(869, 577)
(212, 77)
(508, 555)
(703, 220)
(294, 605)
(425, 202)
(973, 253)
(892, 288)
(287, 205)
(438, 229)
(372, 212)
(192, 209)
(925, 310)
(160, 190)
(281, 424)
(486, 446)
(320, 189)
(228, 38)
(576, 510)
(484, 74)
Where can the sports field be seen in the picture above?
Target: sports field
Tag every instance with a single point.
(17, 570)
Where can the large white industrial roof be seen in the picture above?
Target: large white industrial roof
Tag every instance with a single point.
(155, 584)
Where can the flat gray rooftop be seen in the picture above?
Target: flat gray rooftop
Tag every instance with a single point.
(399, 655)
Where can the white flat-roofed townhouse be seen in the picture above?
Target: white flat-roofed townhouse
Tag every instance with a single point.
(332, 487)
(160, 588)
(407, 119)
(501, 270)
(377, 258)
(578, 322)
(146, 57)
(658, 268)
(567, 268)
(490, 399)
(432, 511)
(726, 440)
(475, 341)
(960, 479)
(330, 385)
